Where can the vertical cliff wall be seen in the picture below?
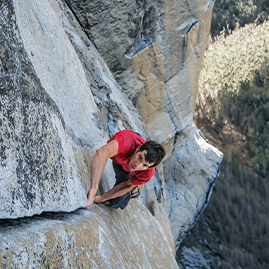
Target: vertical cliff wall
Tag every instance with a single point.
(51, 120)
(155, 51)
(59, 102)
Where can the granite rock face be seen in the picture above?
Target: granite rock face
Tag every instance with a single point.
(155, 51)
(156, 54)
(96, 238)
(53, 114)
(59, 102)
(36, 165)
(190, 176)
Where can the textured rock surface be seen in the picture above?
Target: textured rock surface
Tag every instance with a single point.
(51, 122)
(190, 177)
(59, 102)
(37, 171)
(156, 55)
(148, 46)
(96, 238)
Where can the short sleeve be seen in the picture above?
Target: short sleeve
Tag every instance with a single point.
(136, 182)
(142, 177)
(123, 142)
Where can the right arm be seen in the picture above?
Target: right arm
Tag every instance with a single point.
(98, 165)
(116, 191)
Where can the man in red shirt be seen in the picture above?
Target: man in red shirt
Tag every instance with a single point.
(134, 162)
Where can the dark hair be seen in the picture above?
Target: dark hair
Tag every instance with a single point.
(155, 152)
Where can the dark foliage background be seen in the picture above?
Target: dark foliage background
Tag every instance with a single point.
(237, 14)
(233, 231)
(233, 114)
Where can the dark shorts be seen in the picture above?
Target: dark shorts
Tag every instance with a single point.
(121, 176)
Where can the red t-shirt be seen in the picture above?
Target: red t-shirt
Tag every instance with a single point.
(128, 142)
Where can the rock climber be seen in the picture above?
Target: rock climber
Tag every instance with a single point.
(134, 162)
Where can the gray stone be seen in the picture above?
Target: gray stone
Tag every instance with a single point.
(101, 237)
(191, 174)
(59, 102)
(155, 54)
(52, 85)
(123, 30)
(36, 172)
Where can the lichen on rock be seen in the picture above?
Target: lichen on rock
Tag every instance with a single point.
(59, 102)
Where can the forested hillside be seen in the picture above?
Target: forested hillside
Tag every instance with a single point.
(233, 230)
(233, 114)
(229, 14)
(233, 105)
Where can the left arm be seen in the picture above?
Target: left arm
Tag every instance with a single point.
(115, 192)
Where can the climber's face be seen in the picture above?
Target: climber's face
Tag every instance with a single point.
(138, 161)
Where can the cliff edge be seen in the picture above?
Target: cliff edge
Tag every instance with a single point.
(59, 102)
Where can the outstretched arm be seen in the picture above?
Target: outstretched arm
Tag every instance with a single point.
(98, 165)
(115, 192)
